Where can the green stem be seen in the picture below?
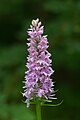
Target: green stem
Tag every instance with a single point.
(38, 109)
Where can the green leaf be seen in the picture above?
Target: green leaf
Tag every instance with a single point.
(53, 105)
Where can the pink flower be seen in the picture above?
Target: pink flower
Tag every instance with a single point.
(37, 79)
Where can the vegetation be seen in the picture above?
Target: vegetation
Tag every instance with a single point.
(62, 22)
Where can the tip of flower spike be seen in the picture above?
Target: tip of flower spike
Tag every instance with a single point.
(35, 22)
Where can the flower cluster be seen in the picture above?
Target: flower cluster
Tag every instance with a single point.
(37, 78)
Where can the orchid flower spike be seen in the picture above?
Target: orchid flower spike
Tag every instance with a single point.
(37, 78)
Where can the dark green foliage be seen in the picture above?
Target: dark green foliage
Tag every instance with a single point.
(62, 24)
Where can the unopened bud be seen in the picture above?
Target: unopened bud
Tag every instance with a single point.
(35, 22)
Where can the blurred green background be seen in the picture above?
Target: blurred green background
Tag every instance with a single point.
(62, 24)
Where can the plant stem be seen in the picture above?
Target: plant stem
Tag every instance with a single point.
(38, 109)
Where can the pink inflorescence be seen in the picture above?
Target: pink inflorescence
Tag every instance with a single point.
(37, 79)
